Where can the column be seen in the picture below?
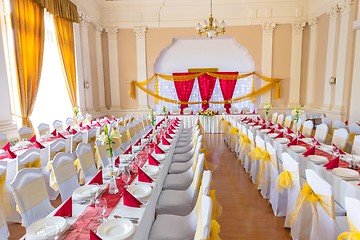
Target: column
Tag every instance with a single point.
(100, 67)
(344, 55)
(312, 60)
(114, 68)
(141, 64)
(295, 68)
(267, 47)
(85, 52)
(354, 113)
(331, 56)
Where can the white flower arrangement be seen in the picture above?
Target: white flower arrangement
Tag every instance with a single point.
(106, 137)
(296, 112)
(152, 117)
(267, 109)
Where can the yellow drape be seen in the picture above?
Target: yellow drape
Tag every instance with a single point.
(27, 19)
(214, 230)
(284, 180)
(62, 8)
(217, 208)
(65, 39)
(353, 234)
(4, 196)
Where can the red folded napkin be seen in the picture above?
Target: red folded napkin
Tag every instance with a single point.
(250, 121)
(97, 124)
(138, 142)
(340, 151)
(177, 119)
(289, 131)
(10, 154)
(114, 118)
(128, 151)
(80, 124)
(66, 209)
(317, 143)
(87, 127)
(172, 127)
(129, 200)
(334, 163)
(74, 132)
(54, 133)
(143, 177)
(272, 130)
(171, 131)
(254, 112)
(152, 160)
(256, 123)
(280, 135)
(300, 135)
(168, 136)
(117, 161)
(262, 127)
(280, 127)
(164, 141)
(59, 135)
(6, 146)
(97, 179)
(310, 151)
(68, 128)
(158, 150)
(346, 122)
(94, 236)
(33, 139)
(244, 119)
(271, 124)
(293, 142)
(107, 121)
(39, 145)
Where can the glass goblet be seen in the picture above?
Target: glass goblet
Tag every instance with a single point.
(100, 207)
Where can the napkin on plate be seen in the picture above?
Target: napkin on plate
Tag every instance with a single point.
(300, 135)
(65, 210)
(97, 124)
(80, 124)
(97, 179)
(289, 131)
(152, 161)
(74, 132)
(10, 153)
(143, 177)
(279, 126)
(317, 143)
(39, 145)
(87, 127)
(59, 135)
(171, 131)
(6, 146)
(168, 136)
(244, 119)
(117, 161)
(32, 139)
(293, 142)
(280, 135)
(129, 200)
(94, 236)
(54, 133)
(271, 124)
(164, 141)
(254, 112)
(272, 130)
(68, 128)
(262, 127)
(340, 151)
(128, 151)
(334, 163)
(310, 151)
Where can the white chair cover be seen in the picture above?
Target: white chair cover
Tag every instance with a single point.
(288, 121)
(354, 128)
(321, 132)
(203, 223)
(59, 145)
(4, 199)
(307, 128)
(86, 158)
(3, 139)
(29, 190)
(43, 129)
(247, 160)
(58, 125)
(70, 122)
(255, 163)
(352, 207)
(25, 133)
(274, 117)
(356, 146)
(338, 124)
(280, 119)
(327, 121)
(340, 138)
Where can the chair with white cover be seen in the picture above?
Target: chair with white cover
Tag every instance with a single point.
(204, 222)
(102, 153)
(76, 139)
(43, 129)
(338, 124)
(356, 145)
(280, 119)
(125, 141)
(274, 117)
(180, 167)
(268, 170)
(352, 206)
(59, 145)
(29, 190)
(91, 137)
(4, 202)
(321, 132)
(70, 122)
(327, 121)
(58, 125)
(234, 110)
(79, 118)
(297, 126)
(86, 158)
(3, 140)
(88, 117)
(255, 160)
(175, 111)
(291, 169)
(308, 128)
(340, 138)
(354, 130)
(25, 133)
(167, 226)
(288, 121)
(179, 202)
(65, 174)
(245, 152)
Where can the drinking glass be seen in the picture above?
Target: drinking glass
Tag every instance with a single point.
(313, 142)
(100, 207)
(52, 230)
(125, 176)
(94, 188)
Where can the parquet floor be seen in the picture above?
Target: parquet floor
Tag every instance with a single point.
(246, 215)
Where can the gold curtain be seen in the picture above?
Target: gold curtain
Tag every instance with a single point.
(27, 19)
(65, 39)
(61, 8)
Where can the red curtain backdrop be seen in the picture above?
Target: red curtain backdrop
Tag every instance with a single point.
(184, 89)
(206, 87)
(227, 88)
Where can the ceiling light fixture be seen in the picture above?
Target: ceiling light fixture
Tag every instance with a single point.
(212, 27)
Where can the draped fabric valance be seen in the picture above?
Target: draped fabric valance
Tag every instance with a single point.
(61, 8)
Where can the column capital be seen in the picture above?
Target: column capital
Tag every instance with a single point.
(140, 32)
(345, 6)
(268, 28)
(84, 20)
(313, 23)
(333, 13)
(98, 30)
(298, 27)
(112, 33)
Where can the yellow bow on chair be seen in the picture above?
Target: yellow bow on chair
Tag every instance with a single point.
(283, 181)
(256, 154)
(34, 164)
(217, 208)
(265, 157)
(214, 230)
(354, 234)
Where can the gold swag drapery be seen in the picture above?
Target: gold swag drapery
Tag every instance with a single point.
(27, 19)
(272, 83)
(61, 8)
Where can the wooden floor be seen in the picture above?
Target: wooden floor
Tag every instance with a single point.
(246, 215)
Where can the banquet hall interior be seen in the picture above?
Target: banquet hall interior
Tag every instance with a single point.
(180, 119)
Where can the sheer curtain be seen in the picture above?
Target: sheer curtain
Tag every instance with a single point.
(52, 101)
(167, 89)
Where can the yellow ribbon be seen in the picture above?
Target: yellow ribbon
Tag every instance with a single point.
(256, 153)
(214, 230)
(265, 158)
(284, 180)
(34, 164)
(353, 234)
(217, 208)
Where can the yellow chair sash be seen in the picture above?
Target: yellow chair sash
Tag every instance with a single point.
(284, 180)
(217, 208)
(307, 196)
(86, 160)
(214, 230)
(74, 145)
(353, 234)
(30, 195)
(52, 154)
(4, 196)
(256, 153)
(264, 160)
(62, 173)
(99, 152)
(25, 136)
(34, 164)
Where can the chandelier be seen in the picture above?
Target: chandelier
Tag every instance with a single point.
(212, 27)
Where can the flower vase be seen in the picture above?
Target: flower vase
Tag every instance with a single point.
(296, 133)
(112, 186)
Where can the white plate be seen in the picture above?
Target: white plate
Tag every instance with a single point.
(306, 140)
(272, 135)
(346, 173)
(265, 130)
(37, 230)
(82, 192)
(326, 148)
(251, 124)
(282, 140)
(151, 170)
(318, 159)
(165, 147)
(257, 127)
(298, 149)
(125, 158)
(140, 190)
(2, 151)
(159, 157)
(116, 229)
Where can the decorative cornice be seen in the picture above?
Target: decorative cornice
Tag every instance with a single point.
(333, 13)
(84, 19)
(313, 23)
(268, 28)
(298, 27)
(140, 32)
(345, 6)
(112, 33)
(98, 31)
